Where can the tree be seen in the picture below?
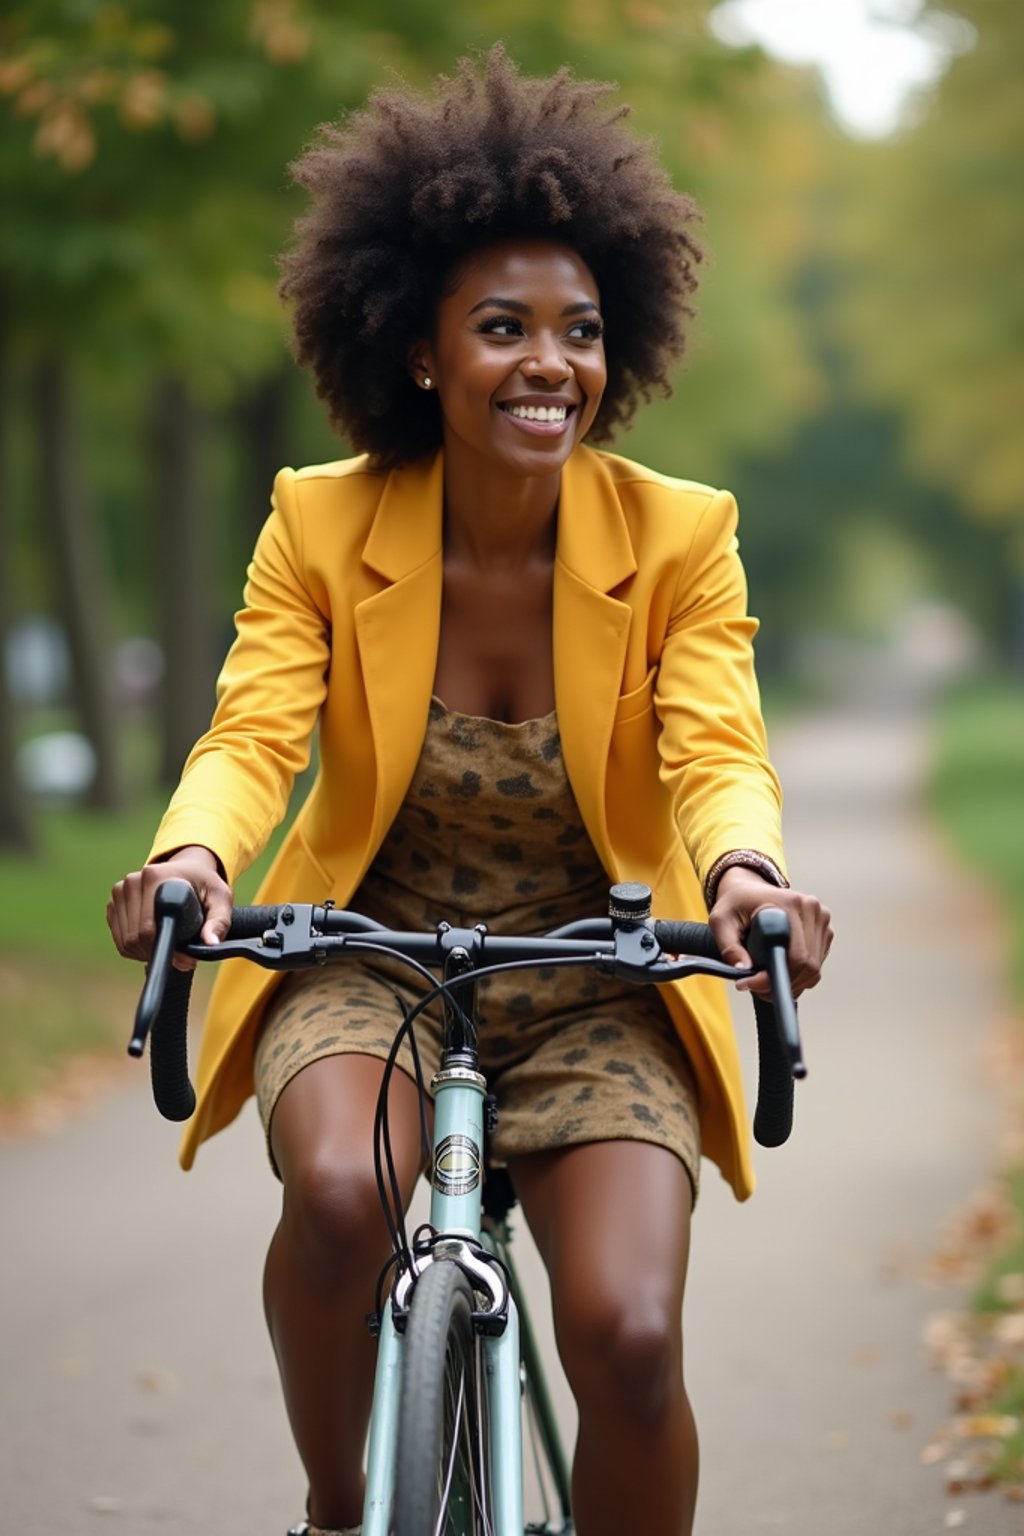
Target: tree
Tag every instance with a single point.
(15, 822)
(934, 245)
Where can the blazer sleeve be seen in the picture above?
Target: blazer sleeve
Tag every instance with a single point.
(712, 744)
(235, 785)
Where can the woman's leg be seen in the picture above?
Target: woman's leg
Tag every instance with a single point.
(324, 1261)
(612, 1222)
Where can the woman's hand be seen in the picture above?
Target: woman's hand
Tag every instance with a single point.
(741, 895)
(130, 908)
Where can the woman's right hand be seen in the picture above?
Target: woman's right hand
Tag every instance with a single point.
(130, 908)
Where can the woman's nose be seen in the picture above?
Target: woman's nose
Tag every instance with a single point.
(547, 360)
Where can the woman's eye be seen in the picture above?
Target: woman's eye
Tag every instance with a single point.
(502, 325)
(587, 330)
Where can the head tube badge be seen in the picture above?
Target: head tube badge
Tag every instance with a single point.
(457, 1166)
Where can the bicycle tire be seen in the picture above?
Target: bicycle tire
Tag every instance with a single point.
(441, 1475)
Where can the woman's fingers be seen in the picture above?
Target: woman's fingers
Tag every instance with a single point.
(126, 918)
(742, 894)
(811, 937)
(130, 910)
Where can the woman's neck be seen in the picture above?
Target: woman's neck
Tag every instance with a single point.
(496, 522)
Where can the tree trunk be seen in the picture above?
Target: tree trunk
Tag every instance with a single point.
(184, 575)
(15, 821)
(80, 572)
(262, 418)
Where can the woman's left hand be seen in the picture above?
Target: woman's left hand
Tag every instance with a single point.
(741, 895)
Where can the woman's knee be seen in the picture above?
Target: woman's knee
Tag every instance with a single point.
(332, 1209)
(621, 1351)
(322, 1139)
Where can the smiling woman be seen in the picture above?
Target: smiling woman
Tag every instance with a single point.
(530, 667)
(406, 189)
(517, 357)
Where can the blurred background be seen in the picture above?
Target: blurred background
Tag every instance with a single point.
(856, 376)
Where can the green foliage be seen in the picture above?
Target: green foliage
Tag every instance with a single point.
(932, 239)
(976, 788)
(996, 1295)
(64, 990)
(990, 1296)
(975, 792)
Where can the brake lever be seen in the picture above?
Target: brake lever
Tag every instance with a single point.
(638, 956)
(295, 942)
(768, 942)
(178, 914)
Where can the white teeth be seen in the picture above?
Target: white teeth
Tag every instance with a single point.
(538, 412)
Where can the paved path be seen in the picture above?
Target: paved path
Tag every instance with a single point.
(137, 1389)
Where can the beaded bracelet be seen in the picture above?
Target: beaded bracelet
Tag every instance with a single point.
(746, 858)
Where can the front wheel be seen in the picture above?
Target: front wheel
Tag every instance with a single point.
(441, 1483)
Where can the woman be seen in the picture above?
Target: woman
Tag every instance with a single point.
(531, 667)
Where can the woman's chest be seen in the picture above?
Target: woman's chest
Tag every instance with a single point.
(495, 654)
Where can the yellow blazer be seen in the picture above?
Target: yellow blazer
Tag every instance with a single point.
(654, 686)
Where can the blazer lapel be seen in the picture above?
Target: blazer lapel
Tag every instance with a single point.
(397, 629)
(591, 631)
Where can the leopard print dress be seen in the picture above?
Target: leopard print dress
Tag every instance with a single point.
(490, 832)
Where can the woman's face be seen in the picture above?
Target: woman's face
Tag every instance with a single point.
(517, 356)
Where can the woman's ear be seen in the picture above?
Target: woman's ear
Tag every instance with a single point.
(420, 365)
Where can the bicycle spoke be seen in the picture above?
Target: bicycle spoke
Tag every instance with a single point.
(456, 1426)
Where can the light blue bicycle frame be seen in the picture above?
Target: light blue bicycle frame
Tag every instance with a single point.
(455, 1211)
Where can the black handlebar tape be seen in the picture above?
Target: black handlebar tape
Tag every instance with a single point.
(175, 903)
(168, 1051)
(686, 938)
(250, 922)
(773, 1117)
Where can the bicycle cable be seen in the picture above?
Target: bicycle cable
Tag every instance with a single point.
(385, 1172)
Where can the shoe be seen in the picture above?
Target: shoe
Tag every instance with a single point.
(305, 1529)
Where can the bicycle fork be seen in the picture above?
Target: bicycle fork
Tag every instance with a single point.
(455, 1211)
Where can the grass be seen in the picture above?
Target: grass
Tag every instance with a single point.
(976, 795)
(977, 792)
(64, 990)
(1007, 1465)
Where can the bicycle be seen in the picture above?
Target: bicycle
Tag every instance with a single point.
(458, 1371)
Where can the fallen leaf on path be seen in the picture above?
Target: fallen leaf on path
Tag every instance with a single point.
(106, 1504)
(158, 1381)
(986, 1426)
(1010, 1289)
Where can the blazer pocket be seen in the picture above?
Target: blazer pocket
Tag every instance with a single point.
(317, 865)
(639, 701)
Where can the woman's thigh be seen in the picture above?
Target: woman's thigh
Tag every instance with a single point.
(612, 1222)
(322, 1138)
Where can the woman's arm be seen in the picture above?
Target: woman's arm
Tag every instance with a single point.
(728, 802)
(236, 783)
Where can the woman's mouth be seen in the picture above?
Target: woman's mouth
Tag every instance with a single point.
(544, 420)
